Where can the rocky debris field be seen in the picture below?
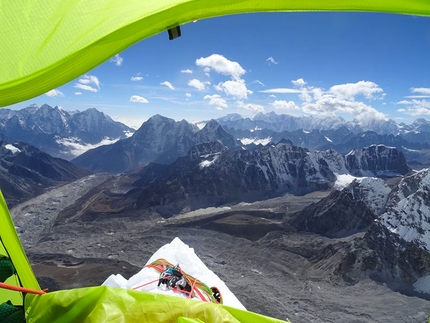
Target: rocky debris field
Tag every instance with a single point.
(273, 271)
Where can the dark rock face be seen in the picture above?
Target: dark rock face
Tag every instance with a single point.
(394, 249)
(377, 160)
(338, 215)
(25, 171)
(160, 140)
(393, 258)
(210, 175)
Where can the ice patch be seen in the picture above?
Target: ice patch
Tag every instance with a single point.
(204, 211)
(12, 148)
(328, 139)
(422, 285)
(207, 163)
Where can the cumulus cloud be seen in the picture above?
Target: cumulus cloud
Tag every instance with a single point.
(138, 98)
(78, 93)
(234, 88)
(117, 60)
(88, 83)
(299, 82)
(168, 84)
(329, 105)
(284, 105)
(421, 90)
(54, 92)
(250, 106)
(137, 77)
(199, 85)
(415, 107)
(188, 95)
(221, 65)
(271, 60)
(349, 91)
(85, 87)
(216, 100)
(339, 99)
(187, 71)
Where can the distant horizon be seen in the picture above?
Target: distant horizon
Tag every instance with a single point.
(134, 125)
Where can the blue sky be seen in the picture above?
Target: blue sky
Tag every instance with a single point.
(355, 65)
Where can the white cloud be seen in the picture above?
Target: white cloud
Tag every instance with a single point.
(54, 92)
(76, 147)
(281, 91)
(329, 105)
(421, 90)
(137, 77)
(85, 82)
(284, 105)
(188, 95)
(117, 60)
(258, 82)
(235, 88)
(139, 99)
(78, 93)
(85, 87)
(187, 71)
(417, 96)
(415, 107)
(219, 108)
(199, 85)
(272, 96)
(271, 60)
(168, 84)
(221, 65)
(299, 82)
(250, 106)
(216, 100)
(349, 91)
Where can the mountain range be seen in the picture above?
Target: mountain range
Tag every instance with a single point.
(159, 139)
(376, 226)
(25, 171)
(61, 133)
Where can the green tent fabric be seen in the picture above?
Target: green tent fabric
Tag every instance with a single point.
(108, 304)
(11, 247)
(45, 44)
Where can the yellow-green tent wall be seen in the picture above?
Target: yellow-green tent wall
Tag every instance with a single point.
(45, 44)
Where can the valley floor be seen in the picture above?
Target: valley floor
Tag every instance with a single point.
(271, 271)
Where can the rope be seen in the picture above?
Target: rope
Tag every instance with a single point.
(21, 289)
(140, 286)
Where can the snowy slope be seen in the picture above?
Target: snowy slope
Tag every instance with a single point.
(175, 252)
(408, 211)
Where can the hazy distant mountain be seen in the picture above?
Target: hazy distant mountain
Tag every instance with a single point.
(321, 134)
(159, 139)
(283, 122)
(58, 132)
(25, 171)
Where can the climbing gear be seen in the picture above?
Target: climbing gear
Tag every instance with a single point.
(175, 279)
